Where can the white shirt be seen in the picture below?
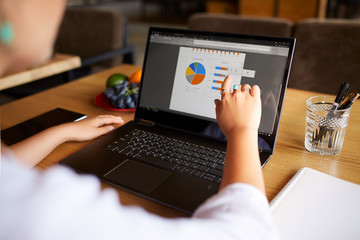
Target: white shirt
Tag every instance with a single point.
(60, 204)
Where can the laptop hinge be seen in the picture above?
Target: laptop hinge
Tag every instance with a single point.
(146, 123)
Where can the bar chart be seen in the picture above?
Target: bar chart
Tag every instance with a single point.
(199, 75)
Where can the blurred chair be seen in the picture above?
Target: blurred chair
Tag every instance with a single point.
(327, 53)
(96, 35)
(232, 23)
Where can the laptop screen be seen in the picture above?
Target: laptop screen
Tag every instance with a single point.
(183, 72)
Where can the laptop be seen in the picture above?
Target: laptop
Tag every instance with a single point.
(173, 152)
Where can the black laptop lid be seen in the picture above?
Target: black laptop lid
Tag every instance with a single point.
(183, 71)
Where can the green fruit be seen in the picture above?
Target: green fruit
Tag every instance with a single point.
(116, 79)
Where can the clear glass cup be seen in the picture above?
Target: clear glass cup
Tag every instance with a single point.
(324, 129)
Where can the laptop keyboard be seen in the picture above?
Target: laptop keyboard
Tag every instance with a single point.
(172, 154)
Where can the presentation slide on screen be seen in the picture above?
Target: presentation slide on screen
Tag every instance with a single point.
(199, 75)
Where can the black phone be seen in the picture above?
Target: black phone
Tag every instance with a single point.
(37, 124)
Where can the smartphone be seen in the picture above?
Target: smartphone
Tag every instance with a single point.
(39, 123)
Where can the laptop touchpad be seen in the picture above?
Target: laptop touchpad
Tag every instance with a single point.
(137, 176)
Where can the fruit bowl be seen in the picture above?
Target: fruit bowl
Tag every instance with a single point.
(103, 102)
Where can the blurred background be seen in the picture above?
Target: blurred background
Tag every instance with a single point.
(175, 13)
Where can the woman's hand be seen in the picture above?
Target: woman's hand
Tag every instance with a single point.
(90, 128)
(33, 149)
(240, 109)
(238, 114)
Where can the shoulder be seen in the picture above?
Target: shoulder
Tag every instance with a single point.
(240, 208)
(236, 197)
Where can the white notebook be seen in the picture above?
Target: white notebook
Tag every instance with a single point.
(314, 205)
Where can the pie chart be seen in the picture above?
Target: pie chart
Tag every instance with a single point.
(195, 73)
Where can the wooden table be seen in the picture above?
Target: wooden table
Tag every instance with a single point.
(290, 154)
(58, 64)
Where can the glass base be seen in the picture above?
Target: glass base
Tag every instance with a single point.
(321, 150)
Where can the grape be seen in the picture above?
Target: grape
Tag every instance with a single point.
(113, 98)
(129, 101)
(109, 92)
(122, 91)
(120, 103)
(118, 88)
(124, 95)
(135, 98)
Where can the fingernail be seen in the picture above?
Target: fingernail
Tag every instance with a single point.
(236, 87)
(111, 128)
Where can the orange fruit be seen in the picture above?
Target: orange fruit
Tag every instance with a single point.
(136, 77)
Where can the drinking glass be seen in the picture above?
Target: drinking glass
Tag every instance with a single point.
(325, 128)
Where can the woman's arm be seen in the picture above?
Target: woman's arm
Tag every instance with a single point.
(33, 149)
(238, 114)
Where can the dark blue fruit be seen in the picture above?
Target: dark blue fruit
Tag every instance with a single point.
(109, 92)
(124, 95)
(135, 98)
(120, 103)
(129, 102)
